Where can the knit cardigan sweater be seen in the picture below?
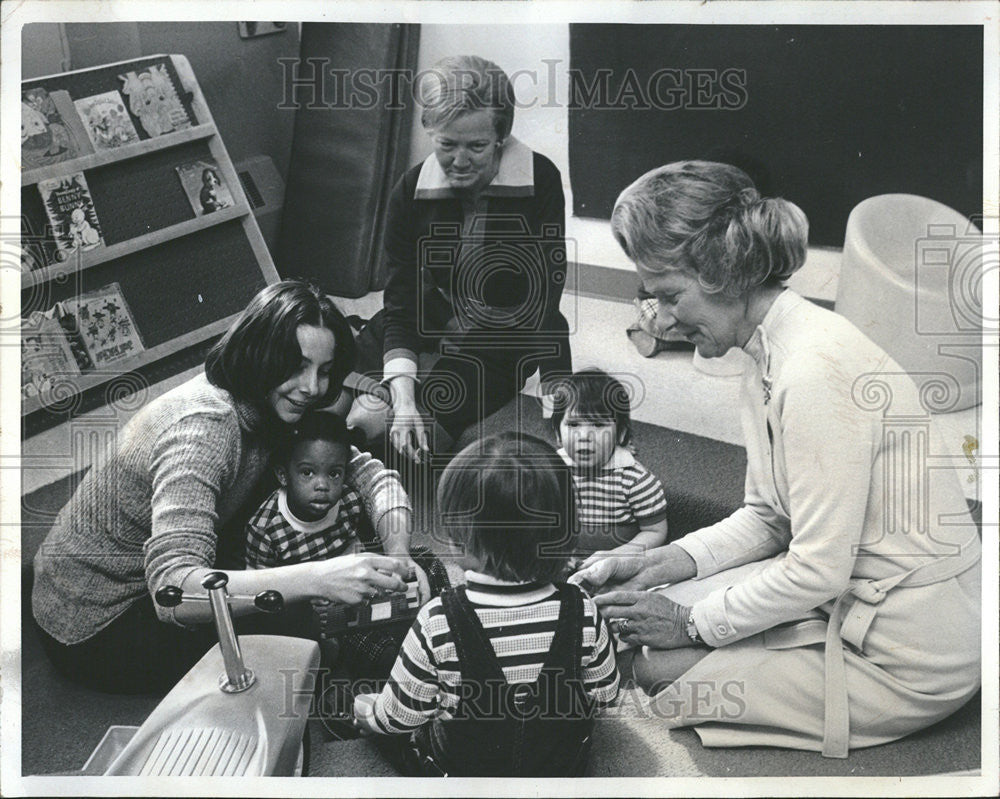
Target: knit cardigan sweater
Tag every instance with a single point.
(833, 485)
(147, 514)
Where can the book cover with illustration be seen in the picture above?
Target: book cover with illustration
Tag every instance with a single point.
(47, 359)
(205, 188)
(104, 324)
(51, 131)
(106, 120)
(71, 212)
(153, 100)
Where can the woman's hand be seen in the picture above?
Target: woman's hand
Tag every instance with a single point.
(646, 619)
(351, 579)
(409, 433)
(347, 579)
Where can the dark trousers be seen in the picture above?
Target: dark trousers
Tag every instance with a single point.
(137, 653)
(473, 375)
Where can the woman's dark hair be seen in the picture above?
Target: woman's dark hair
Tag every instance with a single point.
(709, 219)
(315, 426)
(593, 394)
(509, 501)
(260, 351)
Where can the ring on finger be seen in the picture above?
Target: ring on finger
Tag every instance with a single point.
(623, 626)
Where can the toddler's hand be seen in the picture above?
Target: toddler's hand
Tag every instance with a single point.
(423, 582)
(364, 714)
(608, 570)
(623, 551)
(586, 573)
(584, 579)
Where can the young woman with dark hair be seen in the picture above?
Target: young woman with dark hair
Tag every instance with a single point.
(155, 511)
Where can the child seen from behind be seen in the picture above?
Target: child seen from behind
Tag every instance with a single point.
(501, 676)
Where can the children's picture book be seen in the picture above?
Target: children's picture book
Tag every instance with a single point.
(70, 209)
(72, 330)
(104, 324)
(47, 359)
(51, 131)
(106, 120)
(204, 186)
(153, 100)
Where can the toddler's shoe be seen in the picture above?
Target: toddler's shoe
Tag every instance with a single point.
(335, 711)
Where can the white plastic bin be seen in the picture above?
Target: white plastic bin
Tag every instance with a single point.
(911, 279)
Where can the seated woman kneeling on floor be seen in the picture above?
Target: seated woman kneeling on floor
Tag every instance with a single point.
(475, 250)
(838, 608)
(158, 511)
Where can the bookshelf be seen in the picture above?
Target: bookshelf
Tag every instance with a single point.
(183, 271)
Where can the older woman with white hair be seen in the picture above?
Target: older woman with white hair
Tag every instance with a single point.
(476, 258)
(840, 606)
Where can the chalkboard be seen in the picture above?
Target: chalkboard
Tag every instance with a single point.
(825, 116)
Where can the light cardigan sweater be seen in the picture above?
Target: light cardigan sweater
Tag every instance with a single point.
(148, 514)
(849, 496)
(819, 449)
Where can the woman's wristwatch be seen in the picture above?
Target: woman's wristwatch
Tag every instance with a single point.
(691, 629)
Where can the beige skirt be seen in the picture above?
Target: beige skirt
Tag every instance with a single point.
(915, 668)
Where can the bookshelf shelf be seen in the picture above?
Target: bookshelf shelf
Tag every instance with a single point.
(86, 260)
(136, 150)
(90, 380)
(181, 269)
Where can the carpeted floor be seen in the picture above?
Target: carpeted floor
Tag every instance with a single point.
(629, 742)
(62, 723)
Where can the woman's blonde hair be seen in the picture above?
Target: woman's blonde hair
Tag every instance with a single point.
(459, 85)
(709, 219)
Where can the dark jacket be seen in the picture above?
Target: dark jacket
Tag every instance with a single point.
(502, 276)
